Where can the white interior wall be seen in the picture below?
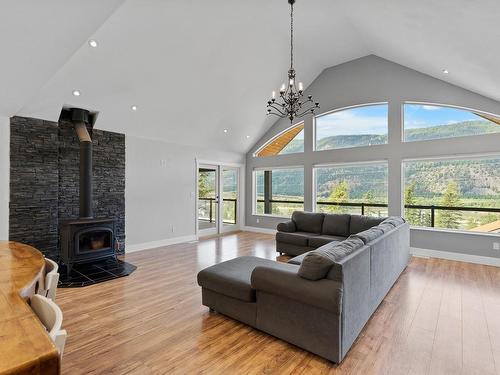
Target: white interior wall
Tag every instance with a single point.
(4, 177)
(160, 188)
(372, 79)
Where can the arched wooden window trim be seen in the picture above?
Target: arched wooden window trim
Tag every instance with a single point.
(280, 141)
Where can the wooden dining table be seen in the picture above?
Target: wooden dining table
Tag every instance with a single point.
(25, 346)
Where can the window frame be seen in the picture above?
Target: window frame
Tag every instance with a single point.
(452, 106)
(340, 109)
(477, 156)
(254, 188)
(281, 133)
(315, 167)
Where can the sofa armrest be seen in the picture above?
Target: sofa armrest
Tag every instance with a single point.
(285, 282)
(288, 226)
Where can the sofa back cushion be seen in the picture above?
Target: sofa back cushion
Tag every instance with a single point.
(360, 223)
(317, 263)
(395, 221)
(385, 227)
(336, 225)
(308, 221)
(370, 234)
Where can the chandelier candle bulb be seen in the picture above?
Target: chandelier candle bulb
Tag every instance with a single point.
(282, 89)
(273, 95)
(301, 87)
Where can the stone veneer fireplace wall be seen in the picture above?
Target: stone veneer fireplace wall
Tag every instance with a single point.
(44, 180)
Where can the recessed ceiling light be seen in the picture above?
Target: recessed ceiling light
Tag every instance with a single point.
(225, 130)
(93, 43)
(133, 108)
(248, 136)
(76, 93)
(445, 71)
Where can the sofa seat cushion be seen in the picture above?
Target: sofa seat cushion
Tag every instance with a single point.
(308, 221)
(232, 278)
(336, 225)
(361, 223)
(298, 259)
(296, 238)
(318, 241)
(317, 263)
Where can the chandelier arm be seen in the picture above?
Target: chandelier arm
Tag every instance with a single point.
(276, 114)
(277, 106)
(279, 111)
(285, 103)
(308, 110)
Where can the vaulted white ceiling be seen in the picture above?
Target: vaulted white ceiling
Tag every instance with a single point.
(194, 67)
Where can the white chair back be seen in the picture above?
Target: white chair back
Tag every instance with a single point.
(51, 317)
(51, 279)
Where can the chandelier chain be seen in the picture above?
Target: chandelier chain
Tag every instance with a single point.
(291, 35)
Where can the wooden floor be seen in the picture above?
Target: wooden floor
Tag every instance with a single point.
(441, 317)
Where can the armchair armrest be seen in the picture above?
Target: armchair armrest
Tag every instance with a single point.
(288, 226)
(284, 281)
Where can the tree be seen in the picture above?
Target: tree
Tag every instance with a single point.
(411, 214)
(204, 186)
(369, 197)
(451, 198)
(340, 195)
(415, 216)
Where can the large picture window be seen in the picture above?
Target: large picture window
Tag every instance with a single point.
(279, 192)
(461, 194)
(424, 121)
(352, 188)
(352, 127)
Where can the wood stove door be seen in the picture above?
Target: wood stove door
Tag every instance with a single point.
(93, 243)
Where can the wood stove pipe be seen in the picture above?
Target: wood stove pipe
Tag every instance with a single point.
(80, 119)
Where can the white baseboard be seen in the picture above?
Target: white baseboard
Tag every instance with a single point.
(258, 230)
(160, 243)
(477, 259)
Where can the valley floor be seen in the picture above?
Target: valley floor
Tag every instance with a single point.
(441, 317)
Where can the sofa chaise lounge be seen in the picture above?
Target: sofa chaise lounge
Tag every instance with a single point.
(321, 299)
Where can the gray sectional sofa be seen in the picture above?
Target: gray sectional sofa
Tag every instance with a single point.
(307, 231)
(322, 298)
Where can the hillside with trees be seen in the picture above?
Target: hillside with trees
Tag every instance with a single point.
(453, 183)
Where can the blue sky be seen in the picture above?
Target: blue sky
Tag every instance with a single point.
(373, 119)
(360, 120)
(423, 116)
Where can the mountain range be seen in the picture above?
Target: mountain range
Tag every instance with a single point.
(475, 178)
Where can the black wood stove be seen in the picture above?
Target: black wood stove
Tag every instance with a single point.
(85, 239)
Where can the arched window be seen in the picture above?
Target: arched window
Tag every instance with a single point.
(429, 121)
(364, 125)
(288, 142)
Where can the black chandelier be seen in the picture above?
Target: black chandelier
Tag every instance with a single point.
(291, 104)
